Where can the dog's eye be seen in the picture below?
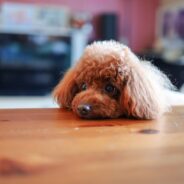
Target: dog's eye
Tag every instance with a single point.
(109, 88)
(83, 87)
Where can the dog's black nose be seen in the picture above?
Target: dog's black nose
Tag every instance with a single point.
(84, 109)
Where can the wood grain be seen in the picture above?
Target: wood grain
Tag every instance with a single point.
(53, 145)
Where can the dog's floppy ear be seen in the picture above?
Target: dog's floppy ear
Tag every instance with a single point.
(66, 89)
(143, 93)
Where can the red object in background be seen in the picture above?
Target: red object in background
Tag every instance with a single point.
(136, 22)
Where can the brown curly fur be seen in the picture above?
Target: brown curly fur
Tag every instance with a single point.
(140, 86)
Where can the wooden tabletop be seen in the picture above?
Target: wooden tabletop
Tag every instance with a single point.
(55, 146)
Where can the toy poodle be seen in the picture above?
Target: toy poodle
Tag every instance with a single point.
(110, 81)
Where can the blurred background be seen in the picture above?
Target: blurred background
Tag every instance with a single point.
(41, 39)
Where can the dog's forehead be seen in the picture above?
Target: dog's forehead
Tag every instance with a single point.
(102, 64)
(98, 71)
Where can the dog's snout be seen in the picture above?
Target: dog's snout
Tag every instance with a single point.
(84, 109)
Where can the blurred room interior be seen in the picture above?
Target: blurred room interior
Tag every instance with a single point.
(40, 40)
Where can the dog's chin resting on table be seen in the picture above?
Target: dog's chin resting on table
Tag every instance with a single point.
(109, 81)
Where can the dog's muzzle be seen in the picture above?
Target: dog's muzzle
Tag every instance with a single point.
(84, 110)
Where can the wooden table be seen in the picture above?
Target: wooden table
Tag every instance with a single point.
(55, 146)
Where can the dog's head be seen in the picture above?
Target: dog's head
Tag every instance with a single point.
(109, 81)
